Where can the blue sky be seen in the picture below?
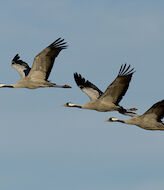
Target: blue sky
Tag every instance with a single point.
(45, 146)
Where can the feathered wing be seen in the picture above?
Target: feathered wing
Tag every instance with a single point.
(117, 89)
(21, 66)
(44, 61)
(156, 111)
(87, 87)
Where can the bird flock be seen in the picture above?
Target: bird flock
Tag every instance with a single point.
(37, 77)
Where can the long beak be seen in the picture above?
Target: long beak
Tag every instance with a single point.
(64, 105)
(107, 120)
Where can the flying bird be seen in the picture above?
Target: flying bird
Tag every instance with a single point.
(37, 76)
(150, 120)
(109, 100)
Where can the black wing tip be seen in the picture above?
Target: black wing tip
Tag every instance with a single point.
(80, 81)
(16, 57)
(161, 102)
(76, 75)
(59, 43)
(126, 70)
(17, 60)
(83, 83)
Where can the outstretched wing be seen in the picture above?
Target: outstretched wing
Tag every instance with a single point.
(44, 61)
(156, 111)
(87, 87)
(117, 89)
(21, 66)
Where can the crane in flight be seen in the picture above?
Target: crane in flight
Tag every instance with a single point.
(37, 76)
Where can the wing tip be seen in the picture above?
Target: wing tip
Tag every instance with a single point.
(16, 58)
(126, 70)
(59, 43)
(79, 79)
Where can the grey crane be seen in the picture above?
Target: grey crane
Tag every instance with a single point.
(109, 100)
(150, 120)
(37, 76)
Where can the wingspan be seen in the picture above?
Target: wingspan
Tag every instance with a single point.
(44, 61)
(156, 111)
(117, 89)
(21, 66)
(87, 87)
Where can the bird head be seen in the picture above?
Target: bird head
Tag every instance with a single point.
(111, 119)
(68, 104)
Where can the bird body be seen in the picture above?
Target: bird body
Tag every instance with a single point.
(109, 100)
(150, 120)
(37, 76)
(32, 83)
(96, 105)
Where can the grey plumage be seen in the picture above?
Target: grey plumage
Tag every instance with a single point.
(37, 76)
(87, 87)
(21, 66)
(150, 120)
(109, 100)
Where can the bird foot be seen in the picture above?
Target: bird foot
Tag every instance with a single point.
(66, 86)
(132, 109)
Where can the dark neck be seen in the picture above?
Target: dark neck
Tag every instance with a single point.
(6, 86)
(76, 106)
(121, 121)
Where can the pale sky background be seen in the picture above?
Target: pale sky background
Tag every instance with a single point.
(46, 146)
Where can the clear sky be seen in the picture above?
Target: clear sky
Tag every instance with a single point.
(46, 146)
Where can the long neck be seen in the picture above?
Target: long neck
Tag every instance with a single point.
(5, 85)
(72, 105)
(76, 106)
(121, 121)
